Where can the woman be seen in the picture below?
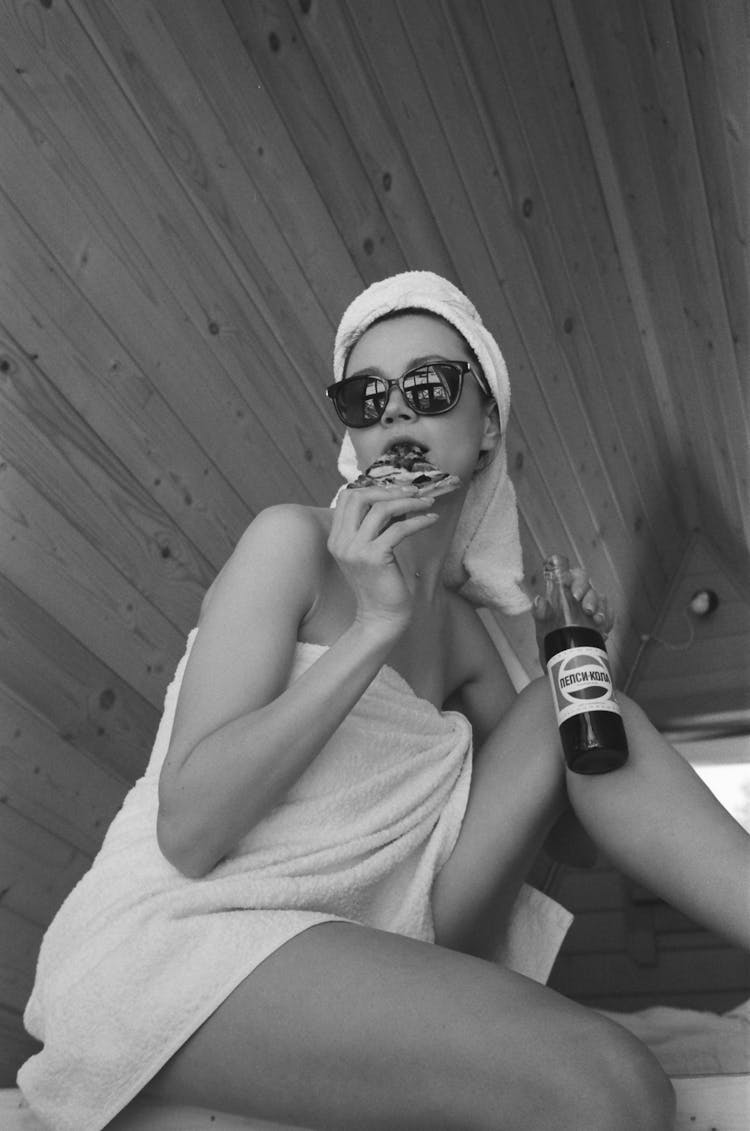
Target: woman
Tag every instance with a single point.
(293, 913)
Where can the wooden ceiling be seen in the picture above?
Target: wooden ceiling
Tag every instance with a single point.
(192, 191)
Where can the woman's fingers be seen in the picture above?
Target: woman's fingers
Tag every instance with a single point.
(605, 617)
(352, 506)
(593, 603)
(366, 532)
(403, 527)
(363, 537)
(375, 510)
(383, 515)
(591, 599)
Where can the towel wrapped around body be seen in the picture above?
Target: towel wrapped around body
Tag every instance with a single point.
(139, 955)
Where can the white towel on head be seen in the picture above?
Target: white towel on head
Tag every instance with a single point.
(485, 561)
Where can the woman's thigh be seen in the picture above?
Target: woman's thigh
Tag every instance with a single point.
(347, 1027)
(517, 795)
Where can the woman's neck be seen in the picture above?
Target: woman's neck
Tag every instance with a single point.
(423, 555)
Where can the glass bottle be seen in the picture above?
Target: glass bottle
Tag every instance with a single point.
(588, 714)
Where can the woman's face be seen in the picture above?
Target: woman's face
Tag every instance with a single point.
(453, 439)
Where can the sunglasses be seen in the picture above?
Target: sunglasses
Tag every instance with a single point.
(428, 390)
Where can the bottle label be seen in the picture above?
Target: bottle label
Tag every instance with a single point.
(581, 681)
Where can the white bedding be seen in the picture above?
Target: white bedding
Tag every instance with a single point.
(691, 1042)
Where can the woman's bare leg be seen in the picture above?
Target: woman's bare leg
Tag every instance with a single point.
(517, 796)
(346, 1027)
(658, 822)
(654, 818)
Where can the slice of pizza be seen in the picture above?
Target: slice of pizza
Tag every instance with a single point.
(404, 464)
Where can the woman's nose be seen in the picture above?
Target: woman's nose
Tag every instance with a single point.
(397, 407)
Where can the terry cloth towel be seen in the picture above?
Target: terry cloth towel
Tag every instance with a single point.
(485, 561)
(139, 955)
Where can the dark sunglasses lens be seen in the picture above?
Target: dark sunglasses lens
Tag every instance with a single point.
(360, 401)
(433, 388)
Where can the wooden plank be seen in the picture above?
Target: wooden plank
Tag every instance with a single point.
(363, 153)
(606, 66)
(711, 1002)
(604, 932)
(596, 975)
(157, 332)
(207, 55)
(659, 76)
(714, 44)
(712, 711)
(561, 151)
(191, 139)
(74, 583)
(597, 890)
(94, 373)
(37, 868)
(615, 191)
(16, 1046)
(63, 458)
(716, 71)
(700, 665)
(275, 39)
(162, 85)
(18, 955)
(86, 703)
(51, 783)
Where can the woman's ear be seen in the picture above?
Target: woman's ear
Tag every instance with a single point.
(492, 430)
(490, 437)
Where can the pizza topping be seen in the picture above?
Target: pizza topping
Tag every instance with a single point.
(405, 464)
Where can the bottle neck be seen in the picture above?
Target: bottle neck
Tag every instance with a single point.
(558, 595)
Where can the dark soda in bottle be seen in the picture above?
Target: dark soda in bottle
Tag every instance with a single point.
(588, 715)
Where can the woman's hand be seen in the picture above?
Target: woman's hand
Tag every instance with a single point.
(368, 525)
(589, 601)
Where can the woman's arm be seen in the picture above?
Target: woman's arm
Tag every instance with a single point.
(485, 690)
(241, 738)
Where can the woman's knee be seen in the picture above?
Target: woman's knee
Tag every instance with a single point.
(621, 1085)
(581, 1073)
(535, 697)
(529, 726)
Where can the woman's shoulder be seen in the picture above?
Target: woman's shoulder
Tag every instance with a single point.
(304, 525)
(280, 537)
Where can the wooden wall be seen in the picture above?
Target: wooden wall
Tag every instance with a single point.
(628, 950)
(190, 193)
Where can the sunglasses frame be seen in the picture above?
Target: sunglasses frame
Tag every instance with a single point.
(463, 368)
